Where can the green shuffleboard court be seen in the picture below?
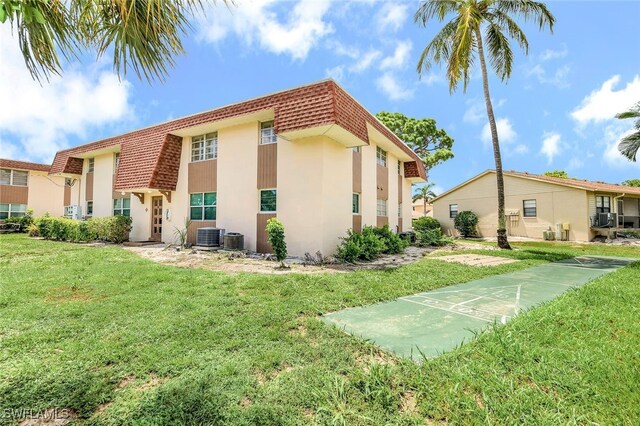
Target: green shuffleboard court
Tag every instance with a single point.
(437, 321)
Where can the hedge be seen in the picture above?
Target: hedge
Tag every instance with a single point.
(114, 229)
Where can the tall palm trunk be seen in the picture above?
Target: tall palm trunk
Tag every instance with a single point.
(503, 243)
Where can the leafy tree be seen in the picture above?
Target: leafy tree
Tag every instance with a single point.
(557, 173)
(466, 222)
(142, 34)
(462, 40)
(426, 194)
(432, 145)
(275, 233)
(630, 144)
(632, 182)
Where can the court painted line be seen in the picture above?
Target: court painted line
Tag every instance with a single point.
(451, 305)
(467, 301)
(444, 309)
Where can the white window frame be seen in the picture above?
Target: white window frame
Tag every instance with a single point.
(116, 161)
(524, 208)
(400, 167)
(357, 212)
(260, 200)
(206, 149)
(91, 165)
(267, 133)
(381, 208)
(12, 173)
(602, 198)
(13, 210)
(89, 203)
(381, 156)
(204, 206)
(119, 211)
(451, 211)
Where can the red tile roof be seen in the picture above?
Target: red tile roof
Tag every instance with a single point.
(584, 184)
(150, 157)
(24, 165)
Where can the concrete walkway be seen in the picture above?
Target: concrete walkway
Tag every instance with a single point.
(437, 321)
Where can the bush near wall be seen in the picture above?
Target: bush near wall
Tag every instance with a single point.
(424, 223)
(114, 229)
(23, 221)
(465, 222)
(369, 244)
(429, 232)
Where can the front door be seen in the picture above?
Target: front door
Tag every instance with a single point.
(156, 218)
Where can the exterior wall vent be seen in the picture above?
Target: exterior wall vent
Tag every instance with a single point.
(209, 237)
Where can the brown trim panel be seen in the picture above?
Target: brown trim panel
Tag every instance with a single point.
(262, 241)
(400, 227)
(89, 187)
(357, 223)
(203, 176)
(67, 195)
(267, 166)
(381, 221)
(399, 188)
(192, 232)
(357, 171)
(10, 194)
(382, 182)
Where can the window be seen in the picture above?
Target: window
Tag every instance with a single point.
(620, 207)
(13, 177)
(268, 200)
(204, 147)
(603, 204)
(122, 207)
(529, 208)
(91, 165)
(381, 207)
(267, 133)
(203, 206)
(399, 209)
(381, 156)
(89, 208)
(453, 210)
(400, 167)
(355, 203)
(68, 211)
(356, 149)
(116, 161)
(12, 210)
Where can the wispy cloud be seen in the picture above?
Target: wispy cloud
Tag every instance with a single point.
(558, 78)
(392, 88)
(551, 54)
(392, 16)
(604, 103)
(550, 145)
(365, 61)
(399, 58)
(506, 132)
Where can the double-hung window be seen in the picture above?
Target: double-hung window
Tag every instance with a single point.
(121, 207)
(453, 211)
(204, 147)
(14, 177)
(91, 165)
(12, 210)
(355, 203)
(267, 133)
(203, 206)
(381, 156)
(89, 208)
(381, 207)
(603, 204)
(529, 208)
(268, 199)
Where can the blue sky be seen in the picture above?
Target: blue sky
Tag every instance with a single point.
(556, 111)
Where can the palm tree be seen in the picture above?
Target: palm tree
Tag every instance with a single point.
(426, 194)
(142, 34)
(630, 144)
(463, 39)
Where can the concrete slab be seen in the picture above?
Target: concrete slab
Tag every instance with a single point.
(476, 259)
(437, 321)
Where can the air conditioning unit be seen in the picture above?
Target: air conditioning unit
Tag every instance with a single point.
(209, 237)
(607, 220)
(73, 211)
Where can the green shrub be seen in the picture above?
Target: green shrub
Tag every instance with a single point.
(275, 232)
(465, 222)
(425, 222)
(393, 244)
(24, 222)
(432, 237)
(114, 229)
(369, 244)
(43, 224)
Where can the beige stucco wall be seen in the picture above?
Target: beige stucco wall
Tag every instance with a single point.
(314, 193)
(45, 194)
(555, 204)
(369, 182)
(102, 185)
(237, 196)
(392, 202)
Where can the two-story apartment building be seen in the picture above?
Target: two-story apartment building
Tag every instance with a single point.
(311, 156)
(25, 185)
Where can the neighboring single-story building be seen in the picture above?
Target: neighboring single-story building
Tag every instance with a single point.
(418, 209)
(25, 185)
(536, 203)
(311, 156)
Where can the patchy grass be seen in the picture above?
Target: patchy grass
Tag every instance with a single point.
(119, 339)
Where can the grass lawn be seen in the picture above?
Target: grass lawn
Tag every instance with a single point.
(121, 340)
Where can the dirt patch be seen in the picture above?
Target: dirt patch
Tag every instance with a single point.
(153, 382)
(476, 259)
(408, 403)
(68, 294)
(235, 263)
(50, 417)
(245, 402)
(375, 356)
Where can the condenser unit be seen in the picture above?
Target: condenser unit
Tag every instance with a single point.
(209, 237)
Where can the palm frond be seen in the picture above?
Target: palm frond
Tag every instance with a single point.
(439, 49)
(529, 10)
(435, 9)
(629, 145)
(500, 53)
(506, 23)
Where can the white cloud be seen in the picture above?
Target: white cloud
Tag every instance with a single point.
(399, 58)
(432, 78)
(365, 61)
(392, 16)
(394, 90)
(575, 163)
(559, 78)
(294, 34)
(521, 149)
(551, 54)
(36, 120)
(550, 145)
(475, 112)
(506, 133)
(612, 134)
(604, 103)
(337, 73)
